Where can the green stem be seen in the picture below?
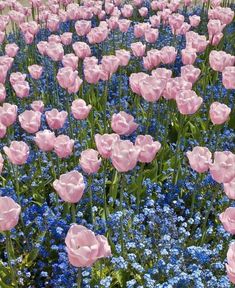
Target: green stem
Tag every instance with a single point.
(9, 249)
(104, 190)
(73, 212)
(79, 278)
(91, 199)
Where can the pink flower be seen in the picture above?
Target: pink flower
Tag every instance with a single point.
(92, 73)
(194, 20)
(168, 55)
(154, 57)
(63, 146)
(8, 114)
(200, 159)
(215, 39)
(162, 73)
(189, 56)
(66, 38)
(53, 22)
(155, 20)
(123, 25)
(140, 28)
(219, 60)
(176, 20)
(54, 38)
(89, 161)
(3, 130)
(215, 27)
(143, 11)
(84, 248)
(174, 86)
(219, 113)
(17, 77)
(42, 47)
(123, 56)
(45, 140)
(123, 123)
(10, 212)
(35, 71)
(110, 64)
(230, 267)
(138, 49)
(151, 35)
(229, 189)
(21, 89)
(148, 148)
(30, 120)
(76, 85)
(81, 49)
(55, 51)
(188, 102)
(83, 27)
(97, 35)
(11, 50)
(228, 220)
(228, 77)
(17, 153)
(56, 119)
(190, 73)
(70, 60)
(90, 61)
(151, 88)
(105, 142)
(80, 110)
(222, 169)
(37, 105)
(70, 186)
(127, 11)
(2, 92)
(66, 77)
(124, 155)
(134, 81)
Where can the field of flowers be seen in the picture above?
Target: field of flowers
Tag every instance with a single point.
(117, 144)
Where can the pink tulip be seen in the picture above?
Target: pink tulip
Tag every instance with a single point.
(154, 57)
(70, 186)
(105, 142)
(215, 39)
(70, 60)
(215, 27)
(124, 155)
(53, 22)
(10, 212)
(84, 248)
(66, 38)
(143, 11)
(80, 110)
(97, 35)
(21, 89)
(63, 146)
(123, 123)
(228, 220)
(219, 60)
(219, 113)
(37, 105)
(148, 148)
(194, 20)
(17, 153)
(228, 77)
(155, 21)
(110, 64)
(188, 102)
(151, 88)
(123, 25)
(92, 73)
(11, 50)
(189, 56)
(5, 65)
(230, 266)
(151, 35)
(190, 73)
(2, 92)
(17, 77)
(8, 114)
(162, 73)
(196, 41)
(28, 37)
(76, 85)
(1, 160)
(66, 77)
(229, 189)
(199, 159)
(55, 51)
(89, 161)
(221, 169)
(174, 86)
(137, 3)
(30, 120)
(2, 36)
(81, 49)
(138, 49)
(168, 55)
(176, 20)
(35, 71)
(56, 119)
(3, 73)
(42, 47)
(140, 28)
(134, 81)
(123, 56)
(184, 28)
(127, 11)
(45, 140)
(54, 38)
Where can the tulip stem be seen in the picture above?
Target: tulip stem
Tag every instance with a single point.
(79, 278)
(91, 199)
(73, 212)
(104, 190)
(9, 252)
